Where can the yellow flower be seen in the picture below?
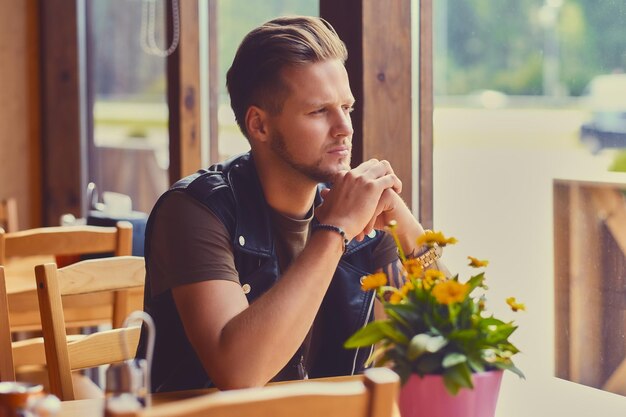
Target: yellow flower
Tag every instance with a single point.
(432, 276)
(430, 238)
(477, 263)
(448, 292)
(373, 281)
(399, 295)
(515, 306)
(413, 267)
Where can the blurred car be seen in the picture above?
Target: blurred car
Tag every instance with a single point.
(605, 97)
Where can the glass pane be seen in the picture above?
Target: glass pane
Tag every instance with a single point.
(235, 19)
(129, 154)
(528, 92)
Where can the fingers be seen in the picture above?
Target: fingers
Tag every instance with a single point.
(354, 202)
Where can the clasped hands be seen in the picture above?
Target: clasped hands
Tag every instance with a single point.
(361, 199)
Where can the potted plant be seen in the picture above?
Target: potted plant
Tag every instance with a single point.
(438, 336)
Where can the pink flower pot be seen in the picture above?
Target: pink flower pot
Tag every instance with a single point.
(428, 397)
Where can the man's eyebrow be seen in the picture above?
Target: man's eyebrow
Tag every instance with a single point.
(315, 104)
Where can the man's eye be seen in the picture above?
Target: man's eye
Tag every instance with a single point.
(319, 111)
(349, 109)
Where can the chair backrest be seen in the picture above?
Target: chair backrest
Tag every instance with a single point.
(8, 215)
(71, 241)
(373, 395)
(85, 277)
(67, 240)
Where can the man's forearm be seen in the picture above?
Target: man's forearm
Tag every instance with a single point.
(289, 307)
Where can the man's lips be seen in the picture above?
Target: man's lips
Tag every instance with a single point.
(342, 150)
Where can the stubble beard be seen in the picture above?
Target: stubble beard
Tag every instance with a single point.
(313, 171)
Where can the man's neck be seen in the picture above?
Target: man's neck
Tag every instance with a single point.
(289, 193)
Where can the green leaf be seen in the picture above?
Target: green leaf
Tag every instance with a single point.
(397, 317)
(392, 333)
(365, 336)
(406, 312)
(463, 335)
(453, 359)
(500, 333)
(475, 364)
(457, 377)
(476, 281)
(425, 343)
(451, 385)
(508, 365)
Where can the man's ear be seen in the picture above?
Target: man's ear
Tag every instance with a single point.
(256, 124)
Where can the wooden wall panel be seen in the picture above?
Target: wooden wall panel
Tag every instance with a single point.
(379, 66)
(387, 84)
(62, 147)
(20, 171)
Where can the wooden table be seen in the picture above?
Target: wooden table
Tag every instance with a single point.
(95, 407)
(80, 311)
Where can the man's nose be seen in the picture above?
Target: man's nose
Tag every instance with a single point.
(342, 124)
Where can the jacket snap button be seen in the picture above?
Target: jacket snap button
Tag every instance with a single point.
(246, 288)
(242, 240)
(372, 234)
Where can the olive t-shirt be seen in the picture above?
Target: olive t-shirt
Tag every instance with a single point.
(190, 244)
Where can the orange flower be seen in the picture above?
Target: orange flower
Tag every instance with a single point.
(448, 292)
(373, 281)
(477, 263)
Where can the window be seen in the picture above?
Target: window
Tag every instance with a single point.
(128, 151)
(521, 100)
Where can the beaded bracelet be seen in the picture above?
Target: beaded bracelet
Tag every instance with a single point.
(333, 228)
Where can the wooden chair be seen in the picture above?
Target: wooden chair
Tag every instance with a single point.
(8, 215)
(22, 251)
(374, 395)
(7, 371)
(62, 241)
(86, 277)
(27, 352)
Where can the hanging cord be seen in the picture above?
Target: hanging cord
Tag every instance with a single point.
(147, 38)
(144, 317)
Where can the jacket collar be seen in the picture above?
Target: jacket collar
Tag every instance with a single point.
(253, 231)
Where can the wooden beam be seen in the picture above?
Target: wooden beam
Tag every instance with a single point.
(61, 127)
(379, 67)
(585, 290)
(347, 19)
(214, 83)
(562, 258)
(387, 82)
(426, 114)
(183, 91)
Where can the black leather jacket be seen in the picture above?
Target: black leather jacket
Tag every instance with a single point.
(233, 193)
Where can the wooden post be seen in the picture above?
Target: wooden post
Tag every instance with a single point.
(379, 66)
(183, 92)
(62, 137)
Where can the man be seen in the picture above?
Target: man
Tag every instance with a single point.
(253, 268)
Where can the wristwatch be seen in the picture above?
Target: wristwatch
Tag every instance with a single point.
(429, 256)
